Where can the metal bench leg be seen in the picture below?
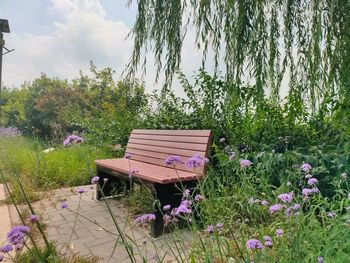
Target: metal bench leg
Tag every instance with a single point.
(167, 194)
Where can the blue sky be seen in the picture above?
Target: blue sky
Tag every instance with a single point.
(61, 37)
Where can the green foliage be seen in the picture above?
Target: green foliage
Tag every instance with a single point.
(261, 43)
(62, 167)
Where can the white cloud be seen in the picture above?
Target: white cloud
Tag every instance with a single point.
(82, 34)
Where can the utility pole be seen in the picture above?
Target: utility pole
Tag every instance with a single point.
(4, 28)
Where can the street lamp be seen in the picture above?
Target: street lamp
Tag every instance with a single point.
(4, 28)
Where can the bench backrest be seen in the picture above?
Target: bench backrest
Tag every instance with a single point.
(154, 146)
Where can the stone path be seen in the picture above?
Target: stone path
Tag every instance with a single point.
(89, 239)
(5, 222)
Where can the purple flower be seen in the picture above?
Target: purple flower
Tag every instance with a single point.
(133, 171)
(275, 208)
(254, 244)
(305, 167)
(173, 159)
(219, 226)
(268, 243)
(186, 193)
(245, 163)
(320, 260)
(222, 139)
(34, 218)
(296, 207)
(199, 198)
(331, 214)
(183, 208)
(17, 233)
(312, 181)
(232, 156)
(204, 161)
(267, 238)
(166, 207)
(64, 205)
(145, 218)
(210, 229)
(6, 248)
(95, 179)
(19, 247)
(80, 190)
(264, 203)
(307, 191)
(72, 139)
(287, 198)
(279, 232)
(127, 155)
(194, 162)
(308, 176)
(166, 219)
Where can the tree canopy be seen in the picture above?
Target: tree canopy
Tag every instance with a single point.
(262, 41)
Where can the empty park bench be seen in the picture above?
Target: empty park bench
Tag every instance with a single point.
(145, 154)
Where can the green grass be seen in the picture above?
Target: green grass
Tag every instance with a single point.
(63, 167)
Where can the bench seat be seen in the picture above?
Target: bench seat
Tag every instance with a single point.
(148, 172)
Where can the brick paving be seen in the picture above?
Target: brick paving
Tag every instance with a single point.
(89, 239)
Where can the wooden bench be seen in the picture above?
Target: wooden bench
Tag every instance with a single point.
(148, 150)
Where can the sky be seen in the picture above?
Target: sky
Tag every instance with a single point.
(61, 37)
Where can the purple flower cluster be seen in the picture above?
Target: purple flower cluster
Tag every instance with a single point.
(128, 156)
(331, 214)
(145, 218)
(6, 248)
(199, 198)
(312, 181)
(34, 218)
(275, 208)
(80, 190)
(184, 208)
(196, 161)
(210, 229)
(279, 232)
(245, 163)
(133, 171)
(286, 198)
(95, 179)
(64, 205)
(254, 244)
(268, 241)
(307, 191)
(172, 160)
(305, 167)
(72, 139)
(16, 238)
(9, 132)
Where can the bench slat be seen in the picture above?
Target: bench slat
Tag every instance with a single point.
(197, 133)
(169, 151)
(160, 162)
(175, 145)
(168, 138)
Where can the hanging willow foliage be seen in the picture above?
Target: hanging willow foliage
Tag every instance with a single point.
(305, 43)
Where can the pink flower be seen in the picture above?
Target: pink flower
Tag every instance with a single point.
(254, 244)
(276, 208)
(312, 181)
(305, 167)
(287, 198)
(245, 163)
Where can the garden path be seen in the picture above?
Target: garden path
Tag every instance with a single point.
(5, 222)
(90, 240)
